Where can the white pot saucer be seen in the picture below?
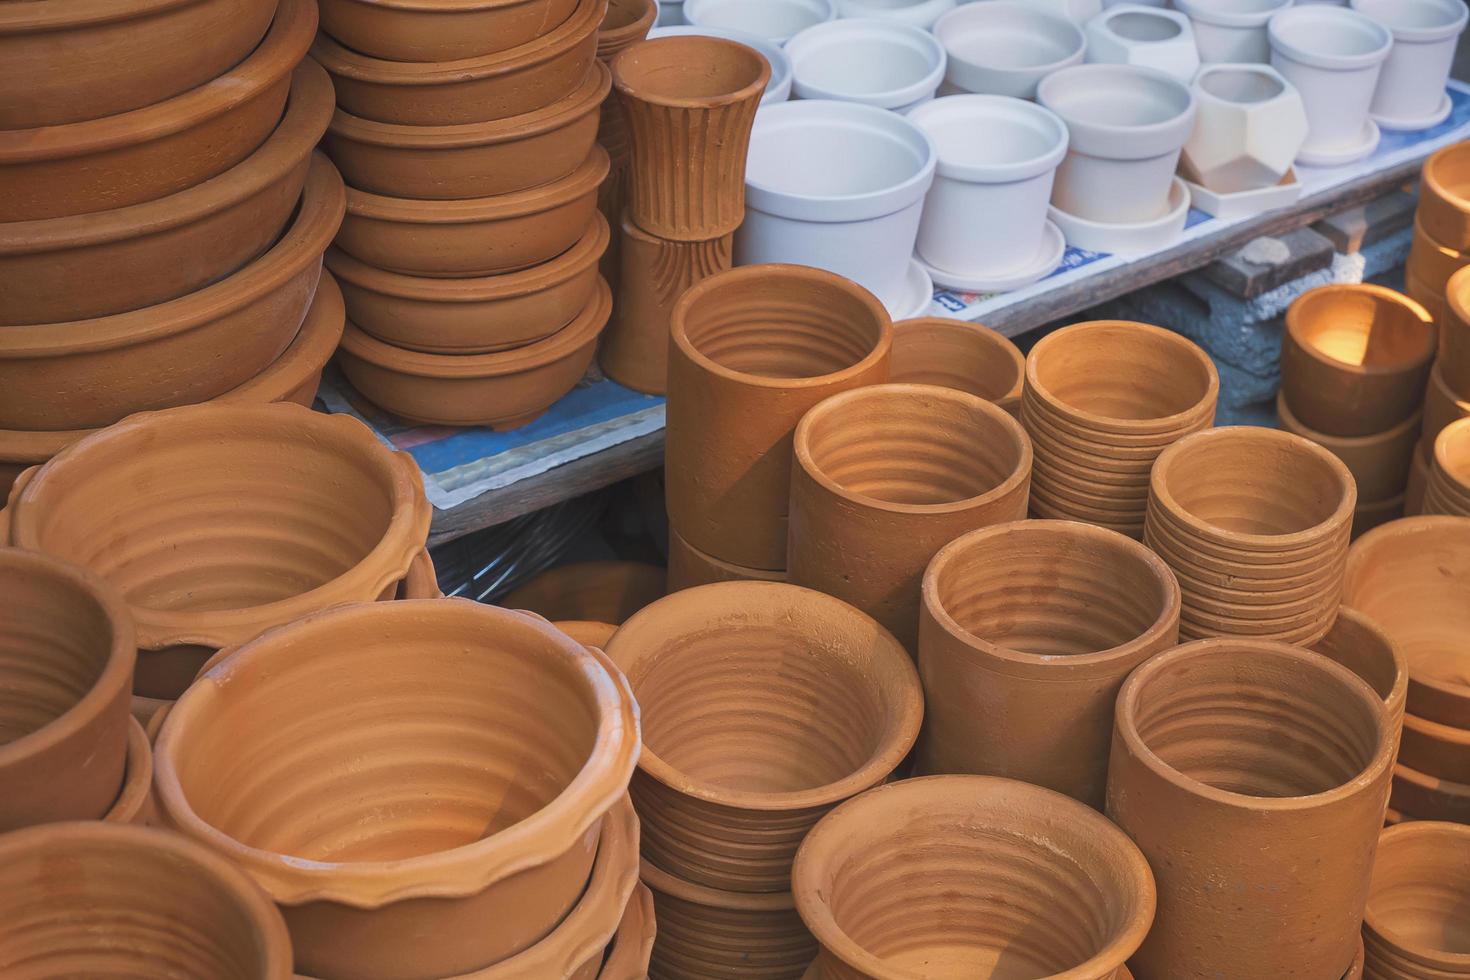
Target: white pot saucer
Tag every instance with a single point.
(1053, 247)
(1439, 115)
(1243, 204)
(1338, 158)
(917, 296)
(1128, 239)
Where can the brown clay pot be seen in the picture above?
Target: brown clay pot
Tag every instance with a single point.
(1448, 490)
(1444, 196)
(518, 80)
(66, 664)
(1254, 777)
(688, 567)
(1442, 405)
(147, 153)
(421, 582)
(1379, 462)
(1361, 645)
(503, 390)
(533, 738)
(763, 705)
(440, 30)
(626, 22)
(1431, 300)
(470, 160)
(887, 475)
(1368, 516)
(955, 354)
(971, 876)
(1431, 263)
(1354, 359)
(1027, 633)
(601, 591)
(1454, 334)
(653, 274)
(1441, 751)
(587, 632)
(752, 350)
(1415, 925)
(135, 803)
(1418, 484)
(627, 957)
(1419, 796)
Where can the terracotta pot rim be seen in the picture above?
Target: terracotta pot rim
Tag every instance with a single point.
(1439, 732)
(137, 776)
(1457, 300)
(584, 631)
(1291, 423)
(1434, 831)
(992, 340)
(1456, 430)
(1072, 437)
(1224, 550)
(611, 41)
(700, 48)
(661, 881)
(440, 6)
(1399, 691)
(1448, 787)
(53, 15)
(1385, 297)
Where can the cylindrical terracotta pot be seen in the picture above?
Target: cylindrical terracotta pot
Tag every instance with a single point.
(1448, 491)
(601, 591)
(440, 30)
(1444, 196)
(1440, 751)
(1027, 633)
(1454, 335)
(1254, 777)
(887, 475)
(1415, 920)
(631, 948)
(1418, 484)
(956, 354)
(752, 349)
(532, 737)
(626, 22)
(1420, 796)
(971, 876)
(1431, 299)
(1378, 462)
(1431, 264)
(1368, 516)
(1442, 405)
(688, 567)
(689, 103)
(1361, 645)
(135, 802)
(764, 705)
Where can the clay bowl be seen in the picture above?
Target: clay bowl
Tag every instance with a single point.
(688, 567)
(627, 957)
(1442, 405)
(478, 237)
(1361, 645)
(1448, 491)
(626, 22)
(66, 665)
(440, 30)
(764, 705)
(473, 316)
(421, 582)
(470, 160)
(1354, 358)
(1436, 750)
(601, 591)
(1417, 900)
(148, 153)
(902, 881)
(530, 736)
(134, 802)
(475, 89)
(87, 373)
(1379, 462)
(1444, 197)
(107, 899)
(955, 354)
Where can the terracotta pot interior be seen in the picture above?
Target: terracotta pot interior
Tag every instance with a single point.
(1362, 648)
(1241, 85)
(1121, 372)
(960, 357)
(1252, 486)
(1420, 896)
(1361, 329)
(690, 68)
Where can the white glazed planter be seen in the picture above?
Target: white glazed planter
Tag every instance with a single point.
(1006, 47)
(915, 13)
(1109, 4)
(1411, 91)
(1077, 11)
(1248, 129)
(1128, 126)
(875, 62)
(1232, 31)
(839, 186)
(1148, 37)
(778, 89)
(774, 20)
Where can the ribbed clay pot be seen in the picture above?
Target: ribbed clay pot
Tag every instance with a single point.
(602, 591)
(1361, 645)
(626, 22)
(1442, 405)
(530, 736)
(970, 876)
(631, 948)
(764, 705)
(440, 30)
(1444, 196)
(1448, 491)
(1254, 777)
(1026, 634)
(1415, 924)
(1379, 462)
(162, 148)
(688, 567)
(956, 354)
(752, 350)
(689, 103)
(887, 475)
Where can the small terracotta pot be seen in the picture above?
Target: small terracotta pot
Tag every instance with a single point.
(1432, 263)
(518, 80)
(1379, 462)
(752, 349)
(1254, 776)
(914, 875)
(1354, 359)
(162, 148)
(688, 567)
(1414, 924)
(421, 582)
(1444, 196)
(587, 632)
(955, 354)
(764, 705)
(626, 22)
(502, 390)
(1418, 484)
(601, 591)
(440, 31)
(887, 475)
(1448, 490)
(1419, 796)
(1430, 299)
(135, 803)
(627, 957)
(1442, 405)
(1361, 645)
(1027, 633)
(689, 102)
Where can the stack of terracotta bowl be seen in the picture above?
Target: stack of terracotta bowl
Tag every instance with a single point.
(1441, 228)
(1448, 490)
(1416, 924)
(162, 216)
(1354, 363)
(469, 254)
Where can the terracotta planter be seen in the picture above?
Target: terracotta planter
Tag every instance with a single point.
(507, 83)
(66, 663)
(1444, 197)
(1361, 645)
(436, 30)
(1418, 796)
(626, 22)
(1454, 335)
(1431, 263)
(470, 160)
(1414, 922)
(1258, 814)
(887, 475)
(1448, 491)
(964, 356)
(903, 878)
(587, 632)
(1379, 462)
(421, 582)
(157, 150)
(602, 591)
(627, 957)
(1368, 516)
(1439, 751)
(1441, 407)
(752, 349)
(134, 802)
(690, 102)
(688, 567)
(1418, 484)
(1027, 633)
(384, 859)
(727, 793)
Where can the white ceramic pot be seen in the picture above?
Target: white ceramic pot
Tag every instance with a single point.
(1109, 4)
(1411, 91)
(1077, 11)
(774, 20)
(1133, 34)
(875, 62)
(838, 186)
(1006, 47)
(1249, 126)
(1127, 126)
(670, 13)
(1231, 31)
(1130, 238)
(916, 13)
(778, 89)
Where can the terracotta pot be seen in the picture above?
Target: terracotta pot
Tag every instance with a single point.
(135, 803)
(626, 22)
(688, 567)
(1444, 197)
(1379, 462)
(602, 591)
(1418, 484)
(653, 274)
(421, 582)
(1432, 263)
(440, 31)
(726, 792)
(627, 957)
(1454, 335)
(1368, 516)
(1426, 297)
(902, 882)
(1440, 751)
(1422, 797)
(383, 858)
(502, 390)
(1355, 969)
(1257, 814)
(470, 160)
(1027, 633)
(887, 475)
(752, 349)
(1414, 925)
(1448, 490)
(1361, 645)
(955, 354)
(587, 632)
(689, 101)
(89, 373)
(1442, 405)
(497, 85)
(162, 148)
(476, 237)
(1354, 359)
(66, 665)
(102, 899)
(147, 712)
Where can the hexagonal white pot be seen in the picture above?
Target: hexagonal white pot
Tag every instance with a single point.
(1248, 129)
(875, 62)
(1333, 56)
(1411, 92)
(1006, 47)
(774, 20)
(917, 13)
(1135, 34)
(1231, 31)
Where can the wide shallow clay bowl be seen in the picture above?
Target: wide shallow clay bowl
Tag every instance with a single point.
(86, 373)
(529, 736)
(1448, 490)
(1444, 197)
(440, 30)
(1379, 462)
(955, 354)
(764, 705)
(626, 22)
(135, 802)
(1361, 645)
(602, 591)
(969, 876)
(688, 567)
(632, 946)
(1415, 924)
(147, 153)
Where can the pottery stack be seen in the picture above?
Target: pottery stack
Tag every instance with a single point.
(626, 22)
(1415, 921)
(469, 254)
